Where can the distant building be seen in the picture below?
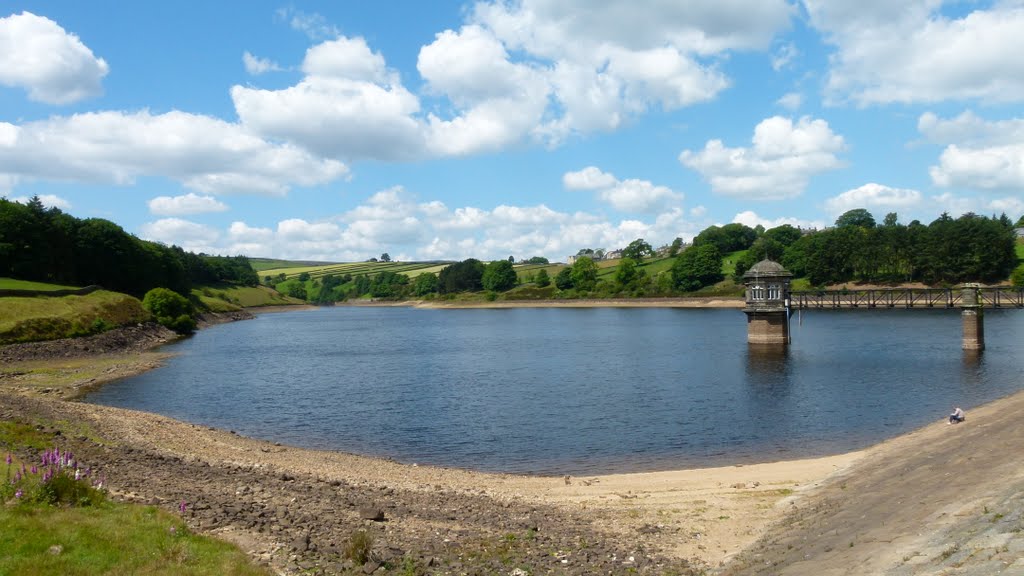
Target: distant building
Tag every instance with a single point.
(1019, 232)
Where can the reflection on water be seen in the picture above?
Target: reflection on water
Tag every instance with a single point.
(576, 391)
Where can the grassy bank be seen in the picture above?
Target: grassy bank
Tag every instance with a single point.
(65, 525)
(228, 298)
(12, 284)
(48, 318)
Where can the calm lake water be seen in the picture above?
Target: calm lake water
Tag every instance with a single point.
(576, 391)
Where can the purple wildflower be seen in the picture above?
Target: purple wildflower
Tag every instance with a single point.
(9, 459)
(35, 470)
(182, 507)
(19, 493)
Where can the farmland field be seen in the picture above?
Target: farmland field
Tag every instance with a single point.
(410, 269)
(261, 264)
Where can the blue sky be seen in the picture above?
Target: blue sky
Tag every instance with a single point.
(447, 130)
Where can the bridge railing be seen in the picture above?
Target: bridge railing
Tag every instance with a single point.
(990, 297)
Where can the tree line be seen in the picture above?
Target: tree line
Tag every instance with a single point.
(48, 245)
(946, 251)
(856, 249)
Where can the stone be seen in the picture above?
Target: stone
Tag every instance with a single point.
(371, 513)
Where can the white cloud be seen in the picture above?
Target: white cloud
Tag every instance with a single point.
(782, 159)
(205, 154)
(751, 219)
(189, 235)
(873, 195)
(190, 203)
(536, 71)
(624, 195)
(395, 221)
(52, 64)
(49, 200)
(790, 101)
(313, 25)
(590, 178)
(1012, 206)
(784, 56)
(912, 52)
(257, 66)
(348, 106)
(979, 154)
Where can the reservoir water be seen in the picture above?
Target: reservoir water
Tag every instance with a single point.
(576, 390)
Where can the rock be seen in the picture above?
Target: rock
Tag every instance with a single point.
(370, 567)
(55, 550)
(371, 513)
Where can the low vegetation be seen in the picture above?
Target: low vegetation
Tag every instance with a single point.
(57, 519)
(12, 284)
(49, 318)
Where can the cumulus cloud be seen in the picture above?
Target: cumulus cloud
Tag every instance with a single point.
(624, 195)
(778, 165)
(52, 64)
(349, 105)
(1011, 205)
(913, 52)
(396, 221)
(751, 219)
(205, 154)
(190, 203)
(979, 154)
(189, 235)
(49, 200)
(537, 71)
(590, 178)
(257, 66)
(873, 195)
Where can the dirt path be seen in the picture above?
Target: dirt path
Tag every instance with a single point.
(942, 500)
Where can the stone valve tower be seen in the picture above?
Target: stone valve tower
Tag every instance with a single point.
(767, 303)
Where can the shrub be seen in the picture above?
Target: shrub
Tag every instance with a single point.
(359, 547)
(57, 480)
(1017, 278)
(170, 309)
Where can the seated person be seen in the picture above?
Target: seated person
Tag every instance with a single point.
(957, 415)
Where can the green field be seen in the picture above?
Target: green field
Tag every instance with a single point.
(410, 269)
(227, 298)
(47, 318)
(12, 284)
(1020, 250)
(261, 264)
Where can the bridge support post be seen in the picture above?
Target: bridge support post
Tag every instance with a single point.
(973, 317)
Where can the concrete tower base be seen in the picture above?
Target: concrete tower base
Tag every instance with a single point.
(767, 327)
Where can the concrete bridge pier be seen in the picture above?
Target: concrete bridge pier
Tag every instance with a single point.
(973, 317)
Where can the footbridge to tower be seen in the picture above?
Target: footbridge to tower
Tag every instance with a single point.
(769, 303)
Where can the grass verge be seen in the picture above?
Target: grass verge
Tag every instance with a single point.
(26, 319)
(110, 538)
(12, 284)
